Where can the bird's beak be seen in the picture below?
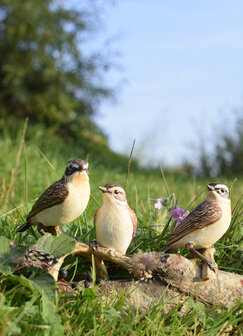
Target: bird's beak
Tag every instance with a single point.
(87, 171)
(210, 188)
(84, 166)
(103, 189)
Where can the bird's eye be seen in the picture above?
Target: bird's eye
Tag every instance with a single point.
(222, 190)
(116, 192)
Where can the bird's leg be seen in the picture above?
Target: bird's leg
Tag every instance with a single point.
(211, 265)
(54, 230)
(208, 253)
(40, 228)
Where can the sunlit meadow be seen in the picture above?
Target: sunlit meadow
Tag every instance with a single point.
(30, 304)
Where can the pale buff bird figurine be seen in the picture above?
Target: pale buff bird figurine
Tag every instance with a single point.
(115, 222)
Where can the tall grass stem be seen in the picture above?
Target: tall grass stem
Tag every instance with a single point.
(164, 179)
(129, 163)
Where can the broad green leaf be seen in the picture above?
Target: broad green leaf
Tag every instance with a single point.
(4, 245)
(8, 255)
(46, 283)
(4, 255)
(58, 246)
(19, 279)
(43, 283)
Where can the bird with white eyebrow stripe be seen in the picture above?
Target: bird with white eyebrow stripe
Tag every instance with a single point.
(205, 225)
(115, 222)
(63, 201)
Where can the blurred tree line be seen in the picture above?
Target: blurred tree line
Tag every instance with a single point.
(46, 75)
(227, 156)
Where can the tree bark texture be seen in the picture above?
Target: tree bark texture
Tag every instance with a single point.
(157, 273)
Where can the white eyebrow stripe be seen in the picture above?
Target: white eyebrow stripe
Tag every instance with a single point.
(116, 188)
(223, 186)
(73, 164)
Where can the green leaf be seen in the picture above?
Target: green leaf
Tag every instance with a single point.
(4, 245)
(40, 285)
(58, 246)
(51, 317)
(8, 255)
(46, 283)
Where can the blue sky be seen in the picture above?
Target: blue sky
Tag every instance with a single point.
(182, 66)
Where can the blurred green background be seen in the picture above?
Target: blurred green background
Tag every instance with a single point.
(48, 75)
(51, 90)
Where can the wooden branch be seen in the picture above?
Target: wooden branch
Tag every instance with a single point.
(104, 253)
(180, 273)
(54, 270)
(100, 254)
(176, 278)
(160, 271)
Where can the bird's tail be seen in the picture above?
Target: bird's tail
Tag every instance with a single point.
(23, 227)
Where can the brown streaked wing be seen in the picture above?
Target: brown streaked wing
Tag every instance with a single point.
(134, 221)
(53, 195)
(206, 213)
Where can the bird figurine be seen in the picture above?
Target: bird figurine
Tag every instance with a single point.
(115, 222)
(63, 201)
(205, 225)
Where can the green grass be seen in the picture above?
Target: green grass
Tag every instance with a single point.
(26, 307)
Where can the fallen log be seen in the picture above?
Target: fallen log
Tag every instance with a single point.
(158, 272)
(185, 276)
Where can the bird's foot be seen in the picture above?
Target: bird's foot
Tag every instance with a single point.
(204, 257)
(211, 265)
(94, 244)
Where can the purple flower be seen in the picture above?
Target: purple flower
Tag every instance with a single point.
(179, 214)
(158, 204)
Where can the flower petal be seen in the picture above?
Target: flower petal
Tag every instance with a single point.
(179, 214)
(158, 204)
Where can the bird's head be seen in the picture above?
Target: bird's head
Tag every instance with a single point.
(218, 190)
(76, 167)
(114, 193)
